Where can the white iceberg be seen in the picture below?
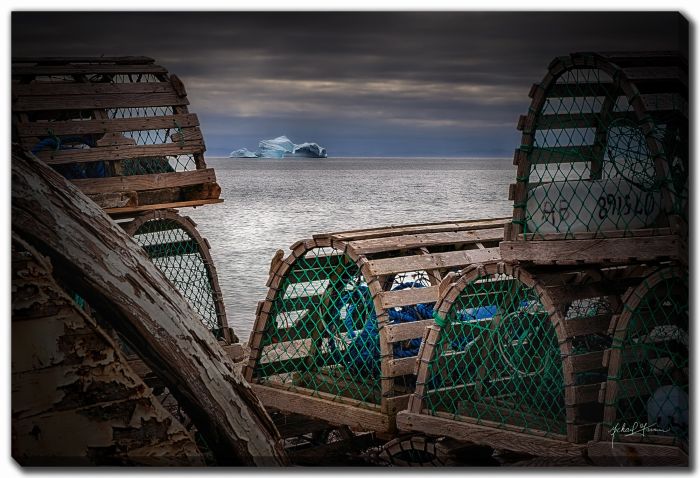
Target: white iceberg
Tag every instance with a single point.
(276, 148)
(243, 153)
(282, 147)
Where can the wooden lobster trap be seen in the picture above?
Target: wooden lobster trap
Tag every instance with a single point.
(603, 163)
(336, 338)
(117, 127)
(646, 395)
(516, 359)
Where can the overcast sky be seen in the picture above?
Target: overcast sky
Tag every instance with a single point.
(360, 84)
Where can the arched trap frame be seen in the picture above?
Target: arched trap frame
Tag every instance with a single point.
(646, 394)
(515, 359)
(603, 155)
(117, 127)
(490, 367)
(173, 243)
(336, 338)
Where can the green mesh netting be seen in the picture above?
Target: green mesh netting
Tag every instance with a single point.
(653, 375)
(322, 332)
(153, 164)
(497, 359)
(592, 167)
(175, 252)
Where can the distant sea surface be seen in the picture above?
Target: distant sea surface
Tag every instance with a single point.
(270, 203)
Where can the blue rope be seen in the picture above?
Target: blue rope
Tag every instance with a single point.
(72, 171)
(362, 353)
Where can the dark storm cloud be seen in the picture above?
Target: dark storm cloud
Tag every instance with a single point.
(458, 78)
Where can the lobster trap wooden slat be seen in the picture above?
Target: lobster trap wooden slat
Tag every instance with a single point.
(121, 130)
(118, 153)
(87, 69)
(122, 211)
(347, 311)
(121, 125)
(620, 250)
(411, 241)
(439, 260)
(390, 299)
(91, 101)
(26, 91)
(49, 60)
(389, 231)
(144, 182)
(475, 433)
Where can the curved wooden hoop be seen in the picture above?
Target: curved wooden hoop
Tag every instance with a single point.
(632, 300)
(190, 227)
(450, 294)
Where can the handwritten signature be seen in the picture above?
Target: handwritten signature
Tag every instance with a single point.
(636, 428)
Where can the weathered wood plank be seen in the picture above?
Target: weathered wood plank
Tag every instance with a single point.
(157, 197)
(632, 58)
(133, 60)
(402, 366)
(335, 413)
(396, 404)
(97, 126)
(471, 432)
(67, 89)
(355, 235)
(587, 326)
(604, 453)
(97, 101)
(440, 260)
(556, 236)
(114, 275)
(647, 74)
(583, 393)
(86, 69)
(639, 387)
(145, 181)
(593, 250)
(587, 361)
(69, 378)
(413, 241)
(418, 295)
(407, 330)
(129, 210)
(116, 153)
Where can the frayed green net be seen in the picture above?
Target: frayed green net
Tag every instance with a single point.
(497, 360)
(175, 252)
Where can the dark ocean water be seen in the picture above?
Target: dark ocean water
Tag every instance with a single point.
(270, 204)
